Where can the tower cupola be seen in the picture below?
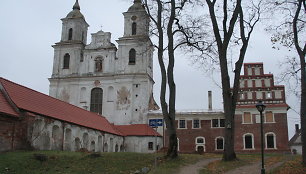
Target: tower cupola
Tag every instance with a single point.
(136, 20)
(74, 27)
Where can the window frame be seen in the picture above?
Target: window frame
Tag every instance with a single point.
(216, 143)
(66, 61)
(179, 124)
(243, 118)
(266, 140)
(265, 117)
(132, 56)
(150, 144)
(219, 123)
(244, 142)
(93, 105)
(193, 124)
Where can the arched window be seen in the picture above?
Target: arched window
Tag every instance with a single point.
(270, 140)
(100, 143)
(83, 94)
(248, 141)
(66, 61)
(96, 100)
(219, 141)
(56, 136)
(132, 56)
(99, 64)
(77, 144)
(68, 139)
(105, 147)
(134, 27)
(93, 146)
(85, 140)
(70, 34)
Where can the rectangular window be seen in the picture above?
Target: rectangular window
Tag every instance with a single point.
(278, 94)
(267, 83)
(182, 124)
(218, 123)
(241, 96)
(258, 83)
(268, 95)
(270, 141)
(150, 145)
(250, 71)
(219, 143)
(196, 123)
(215, 122)
(257, 118)
(269, 117)
(241, 83)
(247, 118)
(250, 95)
(257, 71)
(248, 140)
(250, 83)
(258, 94)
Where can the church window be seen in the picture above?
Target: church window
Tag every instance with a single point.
(99, 64)
(96, 100)
(134, 26)
(66, 61)
(150, 146)
(70, 34)
(132, 56)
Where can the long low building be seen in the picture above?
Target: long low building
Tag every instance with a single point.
(30, 119)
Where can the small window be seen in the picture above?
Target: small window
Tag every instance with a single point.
(218, 123)
(70, 34)
(269, 117)
(182, 124)
(215, 123)
(248, 141)
(134, 27)
(66, 61)
(196, 123)
(219, 143)
(132, 57)
(270, 140)
(200, 140)
(150, 145)
(247, 118)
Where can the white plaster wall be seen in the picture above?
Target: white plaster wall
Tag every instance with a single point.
(45, 131)
(297, 148)
(140, 144)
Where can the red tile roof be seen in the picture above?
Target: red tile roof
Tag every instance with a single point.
(137, 130)
(6, 108)
(32, 101)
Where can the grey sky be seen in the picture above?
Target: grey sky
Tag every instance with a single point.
(30, 27)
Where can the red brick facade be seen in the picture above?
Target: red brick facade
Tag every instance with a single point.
(254, 86)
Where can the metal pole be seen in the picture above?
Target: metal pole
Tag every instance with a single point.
(155, 162)
(262, 145)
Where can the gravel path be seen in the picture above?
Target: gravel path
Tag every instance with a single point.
(194, 168)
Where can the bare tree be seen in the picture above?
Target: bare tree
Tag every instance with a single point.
(290, 33)
(165, 16)
(232, 23)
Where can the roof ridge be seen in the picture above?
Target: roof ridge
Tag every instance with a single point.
(48, 96)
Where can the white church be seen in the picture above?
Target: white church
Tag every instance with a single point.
(99, 77)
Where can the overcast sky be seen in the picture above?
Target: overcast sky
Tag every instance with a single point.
(29, 28)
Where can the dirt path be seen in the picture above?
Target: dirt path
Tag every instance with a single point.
(194, 168)
(255, 168)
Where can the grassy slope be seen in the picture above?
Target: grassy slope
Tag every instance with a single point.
(80, 163)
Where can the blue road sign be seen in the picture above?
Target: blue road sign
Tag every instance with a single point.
(155, 122)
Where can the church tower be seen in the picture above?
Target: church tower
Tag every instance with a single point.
(116, 83)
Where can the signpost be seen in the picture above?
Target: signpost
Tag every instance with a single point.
(154, 123)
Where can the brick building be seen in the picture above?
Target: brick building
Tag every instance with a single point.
(204, 130)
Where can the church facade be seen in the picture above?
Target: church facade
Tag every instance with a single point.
(114, 82)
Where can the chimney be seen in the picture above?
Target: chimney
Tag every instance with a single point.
(209, 101)
(296, 128)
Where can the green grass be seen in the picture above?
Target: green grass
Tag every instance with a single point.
(59, 162)
(73, 162)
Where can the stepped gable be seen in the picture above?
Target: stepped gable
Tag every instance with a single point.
(35, 102)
